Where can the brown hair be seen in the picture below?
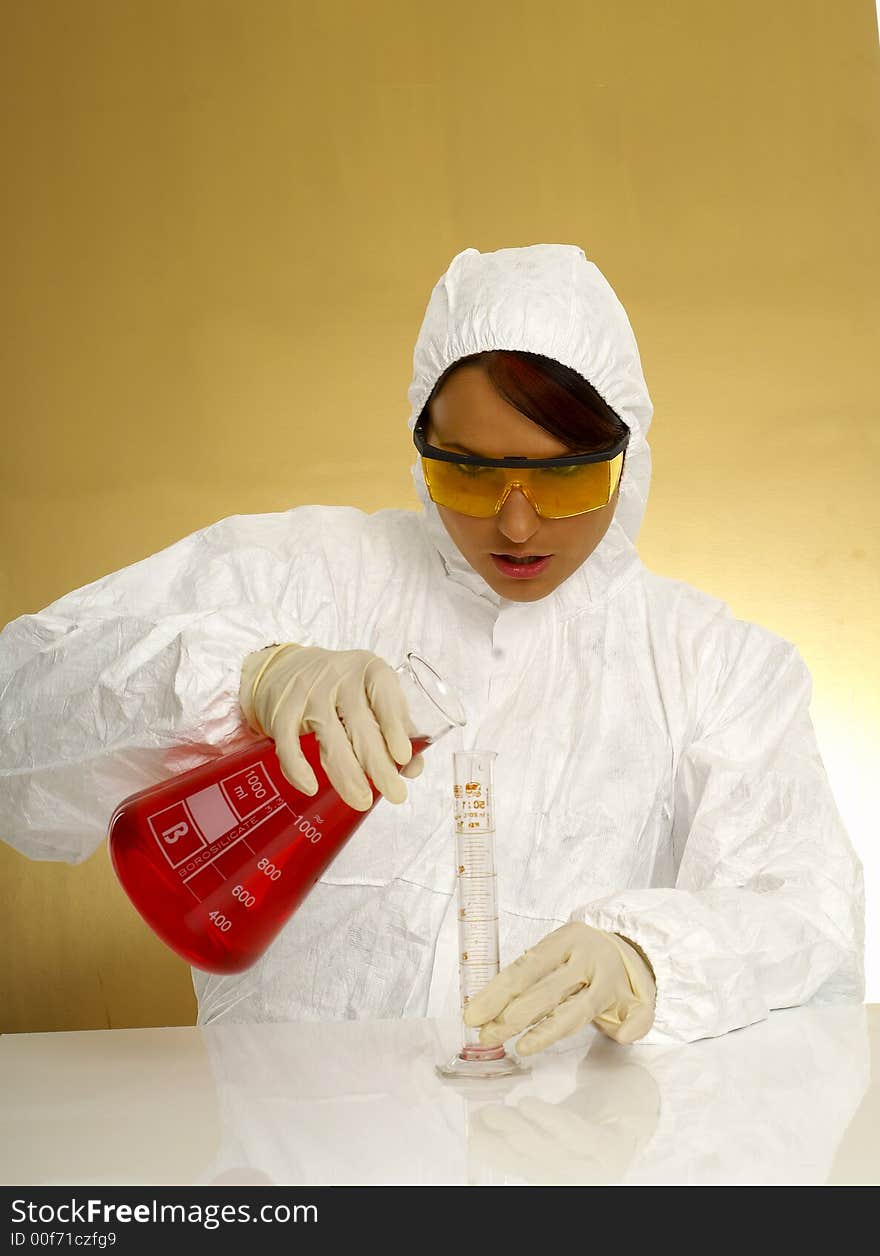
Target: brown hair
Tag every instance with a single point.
(553, 396)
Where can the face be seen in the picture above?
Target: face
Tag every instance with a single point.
(469, 416)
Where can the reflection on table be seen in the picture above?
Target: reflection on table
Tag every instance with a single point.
(358, 1102)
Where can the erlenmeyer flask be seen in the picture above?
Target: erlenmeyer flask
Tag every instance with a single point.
(217, 859)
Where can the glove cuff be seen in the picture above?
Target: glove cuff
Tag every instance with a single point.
(252, 672)
(636, 979)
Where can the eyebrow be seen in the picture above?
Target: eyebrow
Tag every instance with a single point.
(451, 444)
(454, 445)
(473, 454)
(462, 449)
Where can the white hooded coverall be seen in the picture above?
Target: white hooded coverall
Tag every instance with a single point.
(657, 773)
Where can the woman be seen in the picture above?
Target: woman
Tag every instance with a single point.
(671, 864)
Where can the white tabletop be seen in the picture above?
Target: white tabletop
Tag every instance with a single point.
(786, 1101)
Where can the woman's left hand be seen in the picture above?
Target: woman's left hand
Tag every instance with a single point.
(574, 975)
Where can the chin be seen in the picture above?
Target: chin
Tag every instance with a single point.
(533, 595)
(515, 591)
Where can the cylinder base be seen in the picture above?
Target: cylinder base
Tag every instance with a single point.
(487, 1064)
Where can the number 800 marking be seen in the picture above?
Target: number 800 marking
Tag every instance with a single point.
(270, 870)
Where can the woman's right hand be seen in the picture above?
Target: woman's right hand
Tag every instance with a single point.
(350, 699)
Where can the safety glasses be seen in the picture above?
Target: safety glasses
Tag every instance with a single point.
(557, 488)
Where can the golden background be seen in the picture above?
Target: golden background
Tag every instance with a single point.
(222, 223)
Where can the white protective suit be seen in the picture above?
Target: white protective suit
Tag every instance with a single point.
(657, 772)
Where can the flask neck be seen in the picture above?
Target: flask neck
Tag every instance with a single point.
(433, 704)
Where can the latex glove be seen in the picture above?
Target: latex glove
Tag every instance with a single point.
(350, 699)
(574, 975)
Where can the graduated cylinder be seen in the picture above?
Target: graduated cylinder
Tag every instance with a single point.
(477, 901)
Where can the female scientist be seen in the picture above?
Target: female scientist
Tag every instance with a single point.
(671, 863)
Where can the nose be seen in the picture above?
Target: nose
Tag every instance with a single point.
(517, 519)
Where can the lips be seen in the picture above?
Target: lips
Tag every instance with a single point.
(521, 566)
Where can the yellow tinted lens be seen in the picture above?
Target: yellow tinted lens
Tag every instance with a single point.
(469, 490)
(558, 491)
(564, 491)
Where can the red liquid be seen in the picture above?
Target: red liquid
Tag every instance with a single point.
(218, 859)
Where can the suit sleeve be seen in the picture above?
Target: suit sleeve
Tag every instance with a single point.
(135, 677)
(767, 910)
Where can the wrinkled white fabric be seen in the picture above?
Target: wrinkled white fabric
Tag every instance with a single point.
(657, 775)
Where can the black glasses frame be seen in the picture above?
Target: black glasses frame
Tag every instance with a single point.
(574, 460)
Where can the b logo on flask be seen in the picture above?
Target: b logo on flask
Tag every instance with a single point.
(176, 832)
